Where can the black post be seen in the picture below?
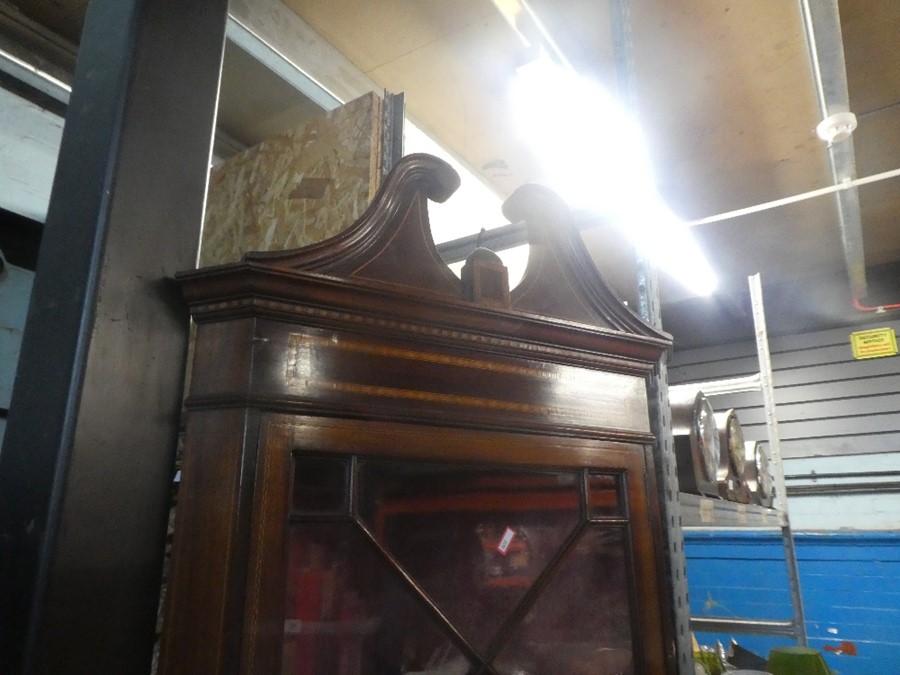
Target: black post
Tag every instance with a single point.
(85, 468)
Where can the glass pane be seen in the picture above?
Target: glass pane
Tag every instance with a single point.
(473, 539)
(581, 622)
(320, 485)
(603, 496)
(347, 613)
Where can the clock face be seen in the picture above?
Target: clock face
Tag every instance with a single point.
(708, 438)
(735, 445)
(732, 439)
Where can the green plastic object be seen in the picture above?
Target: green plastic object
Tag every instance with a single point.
(710, 661)
(796, 661)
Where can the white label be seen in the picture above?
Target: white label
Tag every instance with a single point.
(505, 541)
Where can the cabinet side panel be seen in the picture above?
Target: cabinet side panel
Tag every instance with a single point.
(204, 596)
(223, 352)
(264, 607)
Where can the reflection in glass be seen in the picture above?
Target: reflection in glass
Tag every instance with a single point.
(603, 496)
(320, 485)
(562, 633)
(473, 539)
(347, 613)
(506, 556)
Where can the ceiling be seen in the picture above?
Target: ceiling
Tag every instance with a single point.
(725, 94)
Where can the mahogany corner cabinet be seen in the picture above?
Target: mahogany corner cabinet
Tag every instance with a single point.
(389, 469)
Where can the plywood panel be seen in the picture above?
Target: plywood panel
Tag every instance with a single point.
(728, 102)
(452, 61)
(872, 53)
(361, 30)
(296, 188)
(458, 86)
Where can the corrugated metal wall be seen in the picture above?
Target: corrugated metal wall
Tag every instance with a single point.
(828, 403)
(838, 421)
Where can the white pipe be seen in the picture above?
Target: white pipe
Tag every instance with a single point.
(41, 80)
(784, 201)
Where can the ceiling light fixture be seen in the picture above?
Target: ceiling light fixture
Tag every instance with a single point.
(836, 127)
(593, 154)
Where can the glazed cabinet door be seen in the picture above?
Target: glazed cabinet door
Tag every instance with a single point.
(416, 550)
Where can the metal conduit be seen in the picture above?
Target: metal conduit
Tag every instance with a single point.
(822, 23)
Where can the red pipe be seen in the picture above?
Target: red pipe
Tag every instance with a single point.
(879, 308)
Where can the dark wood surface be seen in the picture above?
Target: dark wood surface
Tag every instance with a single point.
(366, 343)
(89, 446)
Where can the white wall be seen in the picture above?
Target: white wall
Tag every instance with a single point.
(863, 511)
(29, 145)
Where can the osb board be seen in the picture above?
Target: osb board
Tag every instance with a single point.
(296, 188)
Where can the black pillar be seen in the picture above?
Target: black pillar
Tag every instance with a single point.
(86, 464)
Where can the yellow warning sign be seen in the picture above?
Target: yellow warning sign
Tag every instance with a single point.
(870, 344)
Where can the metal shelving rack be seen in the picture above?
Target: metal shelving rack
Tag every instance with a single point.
(702, 512)
(679, 510)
